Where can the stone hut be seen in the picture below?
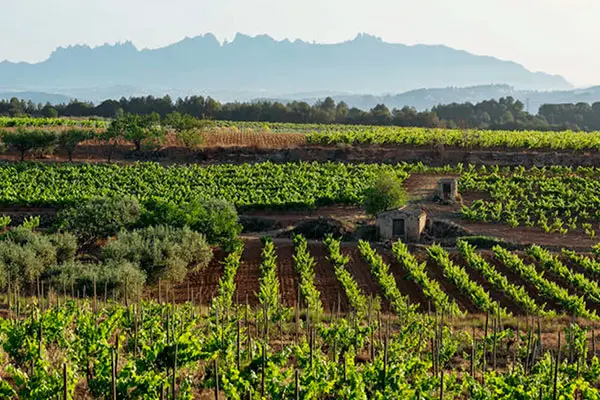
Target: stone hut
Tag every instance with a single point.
(403, 223)
(447, 189)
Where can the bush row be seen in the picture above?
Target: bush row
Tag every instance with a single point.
(117, 244)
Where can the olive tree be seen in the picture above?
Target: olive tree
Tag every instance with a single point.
(70, 138)
(24, 140)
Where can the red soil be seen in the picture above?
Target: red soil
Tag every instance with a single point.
(517, 280)
(246, 280)
(288, 278)
(326, 282)
(498, 296)
(435, 272)
(406, 286)
(361, 272)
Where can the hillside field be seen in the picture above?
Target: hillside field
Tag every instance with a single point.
(168, 273)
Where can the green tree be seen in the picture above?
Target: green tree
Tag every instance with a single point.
(187, 128)
(24, 140)
(381, 114)
(133, 129)
(49, 112)
(137, 129)
(25, 255)
(69, 139)
(386, 193)
(99, 218)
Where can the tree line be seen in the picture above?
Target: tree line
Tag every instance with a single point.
(145, 132)
(505, 113)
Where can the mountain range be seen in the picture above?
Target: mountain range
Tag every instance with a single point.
(251, 67)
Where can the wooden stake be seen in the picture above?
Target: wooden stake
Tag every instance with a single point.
(442, 384)
(264, 367)
(65, 383)
(593, 342)
(385, 362)
(473, 354)
(297, 311)
(494, 345)
(216, 365)
(113, 377)
(297, 384)
(174, 382)
(239, 344)
(554, 393)
(485, 336)
(95, 297)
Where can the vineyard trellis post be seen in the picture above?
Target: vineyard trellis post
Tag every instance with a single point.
(593, 342)
(113, 376)
(556, 367)
(263, 372)
(239, 344)
(297, 383)
(65, 383)
(216, 367)
(473, 343)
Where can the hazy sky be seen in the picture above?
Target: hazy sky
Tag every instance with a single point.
(555, 36)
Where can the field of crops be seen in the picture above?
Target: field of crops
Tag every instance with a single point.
(291, 318)
(27, 122)
(458, 282)
(263, 185)
(459, 138)
(329, 135)
(556, 199)
(269, 348)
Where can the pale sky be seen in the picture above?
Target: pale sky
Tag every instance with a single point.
(554, 36)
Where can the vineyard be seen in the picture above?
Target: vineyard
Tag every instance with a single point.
(556, 199)
(332, 135)
(188, 343)
(271, 280)
(9, 122)
(264, 185)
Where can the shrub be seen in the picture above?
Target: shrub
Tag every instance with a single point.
(126, 278)
(160, 251)
(66, 246)
(99, 218)
(216, 219)
(31, 222)
(191, 138)
(18, 264)
(482, 241)
(26, 255)
(187, 128)
(596, 249)
(386, 193)
(5, 221)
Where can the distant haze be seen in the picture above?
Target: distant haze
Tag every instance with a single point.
(261, 66)
(553, 36)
